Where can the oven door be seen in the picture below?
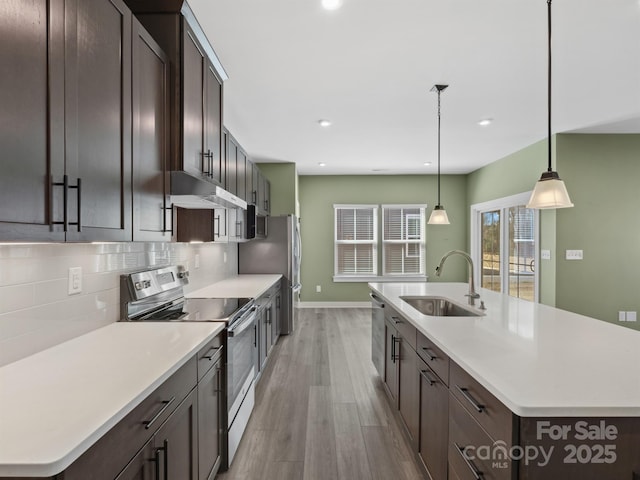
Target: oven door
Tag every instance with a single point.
(241, 353)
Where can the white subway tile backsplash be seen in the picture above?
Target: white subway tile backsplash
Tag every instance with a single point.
(35, 310)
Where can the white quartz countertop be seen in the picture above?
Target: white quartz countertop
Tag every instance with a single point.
(538, 360)
(240, 286)
(57, 403)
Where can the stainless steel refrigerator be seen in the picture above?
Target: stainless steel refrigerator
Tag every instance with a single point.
(279, 252)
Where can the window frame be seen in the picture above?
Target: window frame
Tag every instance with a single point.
(336, 242)
(503, 204)
(378, 258)
(420, 241)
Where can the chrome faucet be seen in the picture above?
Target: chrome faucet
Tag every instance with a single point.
(472, 289)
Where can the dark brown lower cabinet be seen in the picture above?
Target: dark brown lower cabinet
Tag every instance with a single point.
(434, 422)
(144, 466)
(390, 361)
(210, 422)
(408, 389)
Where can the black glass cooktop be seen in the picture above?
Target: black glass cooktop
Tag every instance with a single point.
(200, 310)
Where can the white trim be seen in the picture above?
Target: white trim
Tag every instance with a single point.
(354, 205)
(502, 204)
(402, 205)
(334, 304)
(374, 278)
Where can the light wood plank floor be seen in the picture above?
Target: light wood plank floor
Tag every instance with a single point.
(321, 412)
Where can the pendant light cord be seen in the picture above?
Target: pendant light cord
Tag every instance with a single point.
(549, 169)
(439, 91)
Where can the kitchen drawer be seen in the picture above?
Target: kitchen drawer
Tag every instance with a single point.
(114, 450)
(209, 355)
(488, 411)
(406, 330)
(434, 357)
(466, 457)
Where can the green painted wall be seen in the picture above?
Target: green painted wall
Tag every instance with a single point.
(284, 181)
(513, 174)
(318, 194)
(602, 174)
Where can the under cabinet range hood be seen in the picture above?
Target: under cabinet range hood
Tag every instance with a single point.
(188, 191)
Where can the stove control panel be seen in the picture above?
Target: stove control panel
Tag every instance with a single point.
(153, 282)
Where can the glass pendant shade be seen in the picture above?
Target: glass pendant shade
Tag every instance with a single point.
(438, 216)
(549, 192)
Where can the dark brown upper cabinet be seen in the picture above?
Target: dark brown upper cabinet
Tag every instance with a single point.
(195, 88)
(66, 132)
(150, 100)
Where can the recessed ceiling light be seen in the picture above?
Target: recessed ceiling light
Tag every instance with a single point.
(426, 164)
(331, 4)
(322, 164)
(324, 123)
(485, 121)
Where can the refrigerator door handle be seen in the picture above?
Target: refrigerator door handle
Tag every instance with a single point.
(296, 288)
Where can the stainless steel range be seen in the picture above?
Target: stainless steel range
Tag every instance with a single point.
(158, 295)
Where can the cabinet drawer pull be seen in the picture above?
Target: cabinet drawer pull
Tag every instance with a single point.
(396, 320)
(476, 473)
(147, 423)
(465, 393)
(65, 203)
(428, 377)
(428, 351)
(211, 356)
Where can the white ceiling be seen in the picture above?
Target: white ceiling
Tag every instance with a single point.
(369, 67)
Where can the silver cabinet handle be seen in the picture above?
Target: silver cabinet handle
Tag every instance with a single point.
(212, 355)
(476, 473)
(376, 300)
(147, 423)
(425, 374)
(465, 393)
(428, 351)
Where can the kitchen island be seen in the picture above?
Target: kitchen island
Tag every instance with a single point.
(564, 380)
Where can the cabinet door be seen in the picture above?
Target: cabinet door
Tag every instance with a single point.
(32, 118)
(213, 125)
(391, 362)
(248, 177)
(256, 186)
(277, 316)
(262, 338)
(142, 466)
(267, 197)
(150, 101)
(241, 174)
(194, 66)
(231, 164)
(221, 225)
(434, 422)
(409, 389)
(177, 442)
(194, 225)
(210, 422)
(98, 119)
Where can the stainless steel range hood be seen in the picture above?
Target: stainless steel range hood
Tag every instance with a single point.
(188, 191)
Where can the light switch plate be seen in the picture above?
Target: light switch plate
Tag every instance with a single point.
(632, 316)
(75, 280)
(196, 260)
(545, 254)
(622, 316)
(574, 255)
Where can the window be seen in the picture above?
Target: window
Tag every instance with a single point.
(356, 240)
(503, 236)
(403, 240)
(357, 243)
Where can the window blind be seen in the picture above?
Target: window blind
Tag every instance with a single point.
(403, 239)
(356, 233)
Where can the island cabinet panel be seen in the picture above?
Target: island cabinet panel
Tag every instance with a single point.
(434, 422)
(150, 100)
(32, 120)
(591, 448)
(437, 360)
(486, 409)
(391, 360)
(467, 443)
(409, 390)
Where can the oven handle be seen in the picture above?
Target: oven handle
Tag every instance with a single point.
(242, 326)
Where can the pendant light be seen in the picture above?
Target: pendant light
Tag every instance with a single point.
(549, 192)
(439, 214)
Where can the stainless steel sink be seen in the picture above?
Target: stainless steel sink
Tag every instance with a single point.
(439, 307)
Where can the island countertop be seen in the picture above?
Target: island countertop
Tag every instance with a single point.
(60, 401)
(538, 360)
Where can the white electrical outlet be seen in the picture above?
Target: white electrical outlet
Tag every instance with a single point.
(573, 255)
(622, 316)
(545, 254)
(75, 280)
(224, 257)
(196, 261)
(632, 316)
(318, 289)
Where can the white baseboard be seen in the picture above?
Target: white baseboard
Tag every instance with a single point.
(334, 304)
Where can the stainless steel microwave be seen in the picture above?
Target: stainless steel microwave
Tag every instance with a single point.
(256, 223)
